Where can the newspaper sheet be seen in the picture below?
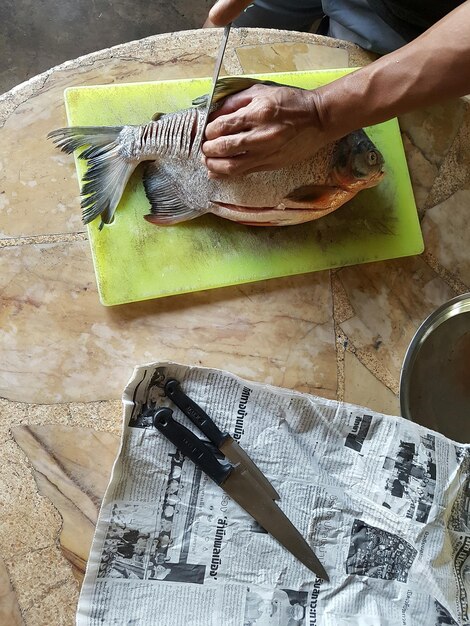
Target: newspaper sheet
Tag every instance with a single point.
(384, 503)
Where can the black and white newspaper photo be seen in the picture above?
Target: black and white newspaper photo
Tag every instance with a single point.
(383, 502)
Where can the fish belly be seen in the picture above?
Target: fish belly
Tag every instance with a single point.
(261, 198)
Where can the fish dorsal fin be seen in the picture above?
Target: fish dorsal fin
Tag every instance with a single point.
(229, 85)
(167, 204)
(156, 116)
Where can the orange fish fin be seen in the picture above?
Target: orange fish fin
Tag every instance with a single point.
(317, 197)
(168, 220)
(167, 205)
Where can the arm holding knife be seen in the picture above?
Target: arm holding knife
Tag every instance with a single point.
(265, 128)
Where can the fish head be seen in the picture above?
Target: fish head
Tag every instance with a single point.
(357, 163)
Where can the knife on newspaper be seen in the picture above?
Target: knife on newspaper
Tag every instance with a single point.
(218, 65)
(222, 440)
(240, 484)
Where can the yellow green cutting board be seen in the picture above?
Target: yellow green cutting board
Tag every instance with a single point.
(135, 260)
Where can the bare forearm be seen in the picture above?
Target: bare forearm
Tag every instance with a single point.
(432, 68)
(266, 128)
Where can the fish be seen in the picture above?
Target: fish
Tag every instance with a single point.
(176, 180)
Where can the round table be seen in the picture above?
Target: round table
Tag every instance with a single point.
(65, 359)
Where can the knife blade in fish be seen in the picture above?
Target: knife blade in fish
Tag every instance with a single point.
(218, 65)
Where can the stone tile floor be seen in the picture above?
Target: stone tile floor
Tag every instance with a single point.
(32, 42)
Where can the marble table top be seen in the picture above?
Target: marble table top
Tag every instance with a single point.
(65, 359)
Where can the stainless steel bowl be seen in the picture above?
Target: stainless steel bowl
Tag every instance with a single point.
(435, 377)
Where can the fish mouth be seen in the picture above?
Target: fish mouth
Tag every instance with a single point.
(375, 178)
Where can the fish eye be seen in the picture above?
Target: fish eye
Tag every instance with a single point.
(372, 157)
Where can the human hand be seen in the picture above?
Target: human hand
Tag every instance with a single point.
(225, 11)
(263, 128)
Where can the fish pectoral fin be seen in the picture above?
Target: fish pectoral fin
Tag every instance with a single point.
(314, 197)
(228, 85)
(167, 205)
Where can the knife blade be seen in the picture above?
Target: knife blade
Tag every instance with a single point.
(218, 65)
(222, 440)
(242, 487)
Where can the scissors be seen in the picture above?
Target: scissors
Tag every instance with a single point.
(236, 474)
(218, 65)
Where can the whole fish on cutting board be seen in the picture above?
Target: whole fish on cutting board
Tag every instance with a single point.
(176, 181)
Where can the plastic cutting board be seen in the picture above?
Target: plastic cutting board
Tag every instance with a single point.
(135, 260)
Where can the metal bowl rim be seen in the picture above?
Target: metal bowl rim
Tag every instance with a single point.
(451, 308)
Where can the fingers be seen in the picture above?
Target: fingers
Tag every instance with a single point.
(242, 163)
(226, 125)
(223, 147)
(242, 111)
(229, 116)
(239, 141)
(237, 166)
(226, 168)
(225, 11)
(241, 150)
(209, 23)
(258, 129)
(237, 101)
(242, 120)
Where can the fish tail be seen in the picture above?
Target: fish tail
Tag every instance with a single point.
(108, 168)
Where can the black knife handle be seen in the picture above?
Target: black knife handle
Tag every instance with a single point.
(192, 410)
(190, 445)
